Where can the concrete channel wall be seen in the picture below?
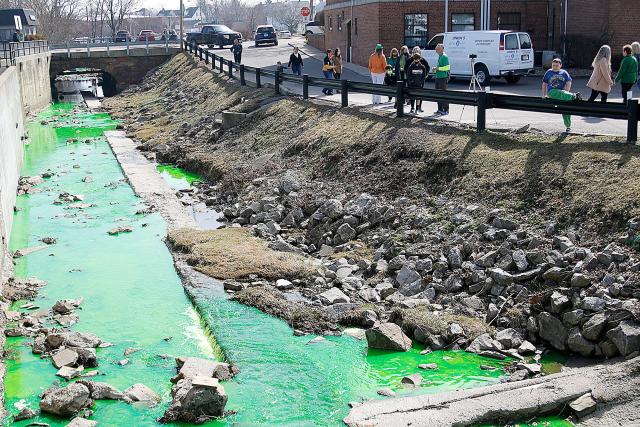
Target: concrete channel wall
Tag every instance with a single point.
(12, 131)
(33, 72)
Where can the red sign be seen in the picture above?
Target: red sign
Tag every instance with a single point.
(305, 11)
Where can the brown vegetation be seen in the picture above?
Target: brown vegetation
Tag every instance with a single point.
(436, 324)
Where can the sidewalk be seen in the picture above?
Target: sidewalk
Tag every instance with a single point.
(319, 55)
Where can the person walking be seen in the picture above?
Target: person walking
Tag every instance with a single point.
(416, 75)
(635, 49)
(628, 73)
(327, 70)
(403, 62)
(237, 51)
(377, 68)
(441, 71)
(556, 84)
(295, 62)
(337, 64)
(17, 36)
(600, 81)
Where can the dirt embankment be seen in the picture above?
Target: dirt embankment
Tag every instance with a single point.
(584, 181)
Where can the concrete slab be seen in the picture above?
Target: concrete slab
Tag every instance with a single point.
(147, 182)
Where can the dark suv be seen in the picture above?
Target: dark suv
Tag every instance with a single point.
(266, 34)
(122, 37)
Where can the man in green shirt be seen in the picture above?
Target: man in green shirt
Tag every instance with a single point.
(628, 72)
(442, 78)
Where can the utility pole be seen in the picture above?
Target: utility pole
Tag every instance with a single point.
(446, 15)
(181, 24)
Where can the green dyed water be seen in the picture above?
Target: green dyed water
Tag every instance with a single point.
(552, 421)
(134, 298)
(177, 178)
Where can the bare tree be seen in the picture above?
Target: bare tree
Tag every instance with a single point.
(287, 14)
(57, 18)
(116, 11)
(94, 11)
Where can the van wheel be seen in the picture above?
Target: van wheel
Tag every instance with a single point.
(512, 79)
(482, 74)
(308, 32)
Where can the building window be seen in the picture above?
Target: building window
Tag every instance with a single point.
(463, 22)
(339, 19)
(355, 26)
(330, 23)
(416, 29)
(509, 21)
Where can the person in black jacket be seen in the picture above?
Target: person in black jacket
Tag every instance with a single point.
(390, 78)
(237, 51)
(295, 62)
(416, 50)
(416, 75)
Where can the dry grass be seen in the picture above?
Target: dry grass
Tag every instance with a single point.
(420, 317)
(297, 315)
(232, 253)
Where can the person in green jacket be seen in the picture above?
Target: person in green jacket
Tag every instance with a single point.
(628, 72)
(442, 71)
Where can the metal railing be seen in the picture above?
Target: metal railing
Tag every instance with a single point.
(483, 101)
(9, 51)
(108, 45)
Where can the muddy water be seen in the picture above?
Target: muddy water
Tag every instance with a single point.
(134, 298)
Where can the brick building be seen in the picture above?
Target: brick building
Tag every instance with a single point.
(574, 28)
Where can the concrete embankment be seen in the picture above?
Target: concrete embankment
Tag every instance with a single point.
(605, 389)
(35, 86)
(12, 133)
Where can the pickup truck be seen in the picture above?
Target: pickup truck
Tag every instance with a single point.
(214, 35)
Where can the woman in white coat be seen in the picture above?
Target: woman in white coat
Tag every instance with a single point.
(600, 81)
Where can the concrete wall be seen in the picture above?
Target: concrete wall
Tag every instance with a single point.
(11, 151)
(33, 71)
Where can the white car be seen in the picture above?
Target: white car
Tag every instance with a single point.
(313, 28)
(284, 34)
(495, 54)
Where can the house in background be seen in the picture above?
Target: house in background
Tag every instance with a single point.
(9, 18)
(192, 17)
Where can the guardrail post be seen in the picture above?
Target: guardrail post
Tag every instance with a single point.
(206, 57)
(242, 81)
(305, 86)
(88, 50)
(166, 45)
(128, 46)
(482, 111)
(344, 93)
(258, 79)
(277, 82)
(147, 43)
(230, 71)
(108, 54)
(221, 65)
(68, 50)
(632, 122)
(400, 98)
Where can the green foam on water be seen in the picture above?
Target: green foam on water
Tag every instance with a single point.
(133, 298)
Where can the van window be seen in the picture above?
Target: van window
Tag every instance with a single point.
(511, 42)
(435, 42)
(525, 41)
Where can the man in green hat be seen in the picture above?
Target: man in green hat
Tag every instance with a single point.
(377, 68)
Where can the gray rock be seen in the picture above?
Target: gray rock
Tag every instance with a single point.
(579, 280)
(407, 275)
(482, 343)
(584, 405)
(454, 331)
(25, 414)
(573, 317)
(385, 289)
(289, 182)
(369, 295)
(333, 296)
(73, 339)
(411, 289)
(593, 303)
(593, 328)
(412, 380)
(559, 302)
(503, 223)
(283, 284)
(332, 208)
(195, 400)
(190, 367)
(509, 338)
(82, 422)
(65, 306)
(531, 368)
(87, 357)
(69, 373)
(103, 391)
(65, 357)
(453, 283)
(526, 348)
(552, 330)
(500, 276)
(556, 274)
(562, 242)
(142, 393)
(626, 337)
(66, 401)
(455, 257)
(520, 259)
(578, 344)
(428, 366)
(388, 336)
(346, 232)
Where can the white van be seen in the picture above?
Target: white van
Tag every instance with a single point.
(505, 54)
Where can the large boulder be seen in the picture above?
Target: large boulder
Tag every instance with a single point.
(196, 400)
(593, 327)
(142, 393)
(103, 391)
(626, 337)
(551, 329)
(482, 343)
(72, 339)
(388, 336)
(66, 401)
(333, 296)
(194, 366)
(578, 344)
(509, 338)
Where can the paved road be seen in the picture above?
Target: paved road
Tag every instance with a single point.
(268, 57)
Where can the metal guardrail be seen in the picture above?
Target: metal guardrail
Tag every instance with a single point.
(9, 51)
(483, 101)
(108, 45)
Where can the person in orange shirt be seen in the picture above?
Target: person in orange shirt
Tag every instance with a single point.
(377, 67)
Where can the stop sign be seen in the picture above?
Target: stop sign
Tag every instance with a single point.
(305, 11)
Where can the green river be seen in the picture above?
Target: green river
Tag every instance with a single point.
(134, 298)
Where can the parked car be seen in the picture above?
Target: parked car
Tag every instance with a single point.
(169, 35)
(313, 27)
(266, 34)
(214, 35)
(284, 34)
(147, 35)
(122, 37)
(495, 54)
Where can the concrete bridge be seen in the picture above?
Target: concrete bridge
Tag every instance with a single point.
(122, 64)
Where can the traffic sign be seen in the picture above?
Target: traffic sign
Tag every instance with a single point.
(305, 11)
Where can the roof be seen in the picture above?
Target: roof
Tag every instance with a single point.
(28, 17)
(169, 12)
(189, 12)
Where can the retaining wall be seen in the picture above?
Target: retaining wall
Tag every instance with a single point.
(33, 72)
(12, 132)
